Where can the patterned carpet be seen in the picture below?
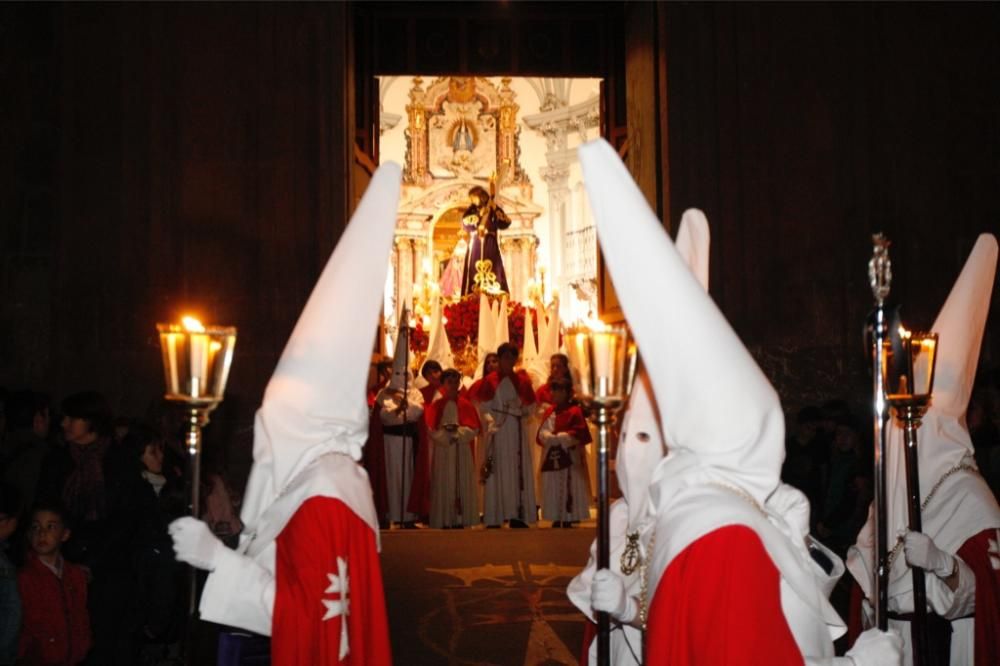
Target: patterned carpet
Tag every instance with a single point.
(478, 596)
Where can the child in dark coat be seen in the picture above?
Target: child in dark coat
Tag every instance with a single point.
(56, 627)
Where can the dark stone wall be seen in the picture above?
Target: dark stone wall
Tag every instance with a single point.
(800, 129)
(166, 158)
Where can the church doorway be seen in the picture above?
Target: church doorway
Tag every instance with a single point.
(497, 96)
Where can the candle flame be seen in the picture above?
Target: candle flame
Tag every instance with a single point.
(192, 325)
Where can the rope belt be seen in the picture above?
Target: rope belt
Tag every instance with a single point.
(401, 430)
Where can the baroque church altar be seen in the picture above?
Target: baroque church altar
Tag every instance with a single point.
(463, 132)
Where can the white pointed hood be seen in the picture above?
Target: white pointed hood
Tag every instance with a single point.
(503, 329)
(401, 375)
(551, 345)
(944, 438)
(693, 242)
(315, 400)
(718, 411)
(962, 504)
(530, 359)
(697, 364)
(543, 335)
(641, 446)
(438, 346)
(487, 332)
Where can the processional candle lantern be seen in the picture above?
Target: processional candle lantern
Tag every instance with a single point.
(909, 361)
(196, 363)
(606, 360)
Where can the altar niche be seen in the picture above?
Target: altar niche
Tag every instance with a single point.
(456, 135)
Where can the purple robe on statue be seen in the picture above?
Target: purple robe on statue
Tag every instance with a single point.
(485, 247)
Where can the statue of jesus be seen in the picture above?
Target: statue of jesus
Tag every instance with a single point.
(482, 219)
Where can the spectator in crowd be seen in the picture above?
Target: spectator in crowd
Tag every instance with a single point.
(102, 490)
(56, 627)
(848, 492)
(158, 576)
(27, 442)
(986, 440)
(806, 457)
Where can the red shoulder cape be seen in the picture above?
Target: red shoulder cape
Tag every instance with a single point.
(571, 420)
(468, 415)
(719, 602)
(486, 387)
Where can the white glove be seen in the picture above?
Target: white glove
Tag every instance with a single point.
(195, 544)
(566, 440)
(546, 436)
(921, 552)
(608, 595)
(877, 648)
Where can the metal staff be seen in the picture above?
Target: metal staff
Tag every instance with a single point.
(880, 279)
(918, 628)
(404, 330)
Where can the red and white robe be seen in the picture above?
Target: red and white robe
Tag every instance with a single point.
(509, 492)
(565, 492)
(454, 500)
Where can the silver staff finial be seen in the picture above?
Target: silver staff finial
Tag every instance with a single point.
(880, 268)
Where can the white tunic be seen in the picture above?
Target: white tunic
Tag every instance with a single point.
(566, 492)
(510, 490)
(453, 476)
(399, 449)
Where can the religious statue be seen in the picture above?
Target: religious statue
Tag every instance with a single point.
(483, 263)
(451, 276)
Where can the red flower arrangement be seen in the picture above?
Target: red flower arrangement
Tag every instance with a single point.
(462, 324)
(419, 338)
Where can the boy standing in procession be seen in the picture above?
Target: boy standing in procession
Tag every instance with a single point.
(563, 436)
(506, 396)
(453, 423)
(400, 407)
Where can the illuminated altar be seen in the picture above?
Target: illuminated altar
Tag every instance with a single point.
(460, 131)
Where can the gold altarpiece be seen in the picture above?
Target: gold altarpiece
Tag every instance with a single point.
(460, 132)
